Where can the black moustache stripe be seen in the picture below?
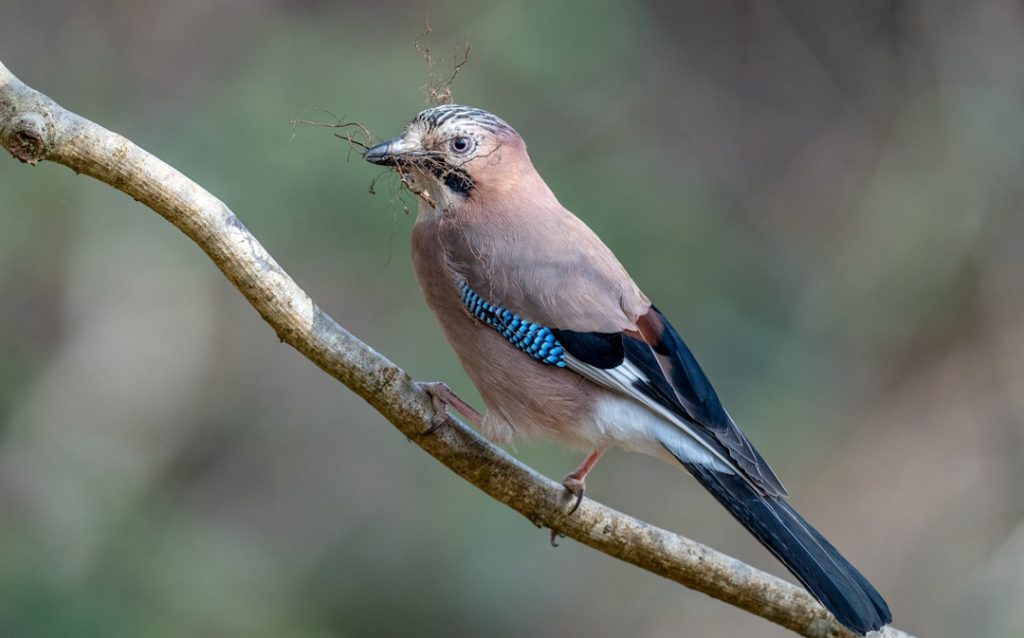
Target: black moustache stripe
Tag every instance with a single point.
(457, 180)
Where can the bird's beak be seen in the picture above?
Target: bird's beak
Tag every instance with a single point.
(389, 152)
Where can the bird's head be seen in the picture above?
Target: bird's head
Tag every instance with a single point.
(451, 155)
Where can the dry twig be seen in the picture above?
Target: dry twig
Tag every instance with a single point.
(439, 90)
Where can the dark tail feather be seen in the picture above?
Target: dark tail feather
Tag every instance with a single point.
(820, 567)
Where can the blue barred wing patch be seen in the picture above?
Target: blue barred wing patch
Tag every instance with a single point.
(532, 338)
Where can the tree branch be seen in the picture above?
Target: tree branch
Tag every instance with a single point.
(34, 128)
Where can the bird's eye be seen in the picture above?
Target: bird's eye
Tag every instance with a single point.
(461, 144)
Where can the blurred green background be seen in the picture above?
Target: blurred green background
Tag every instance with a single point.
(825, 197)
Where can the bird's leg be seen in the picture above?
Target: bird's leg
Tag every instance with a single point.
(442, 396)
(576, 481)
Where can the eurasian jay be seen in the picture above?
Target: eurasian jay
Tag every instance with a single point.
(562, 344)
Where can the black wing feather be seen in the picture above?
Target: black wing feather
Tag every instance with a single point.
(606, 350)
(599, 349)
(700, 402)
(688, 379)
(671, 376)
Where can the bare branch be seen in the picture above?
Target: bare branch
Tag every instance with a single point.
(34, 128)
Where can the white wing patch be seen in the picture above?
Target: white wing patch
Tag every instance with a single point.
(635, 428)
(632, 415)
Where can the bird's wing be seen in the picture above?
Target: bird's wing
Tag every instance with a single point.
(649, 363)
(551, 287)
(653, 366)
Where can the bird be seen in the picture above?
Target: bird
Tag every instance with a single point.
(562, 344)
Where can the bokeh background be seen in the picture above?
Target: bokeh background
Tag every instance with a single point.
(826, 197)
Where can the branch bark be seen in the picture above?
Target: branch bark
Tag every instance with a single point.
(34, 128)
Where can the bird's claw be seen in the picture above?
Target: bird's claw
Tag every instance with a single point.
(435, 424)
(440, 406)
(554, 536)
(441, 396)
(576, 487)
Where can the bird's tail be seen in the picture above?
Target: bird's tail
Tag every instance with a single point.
(820, 567)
